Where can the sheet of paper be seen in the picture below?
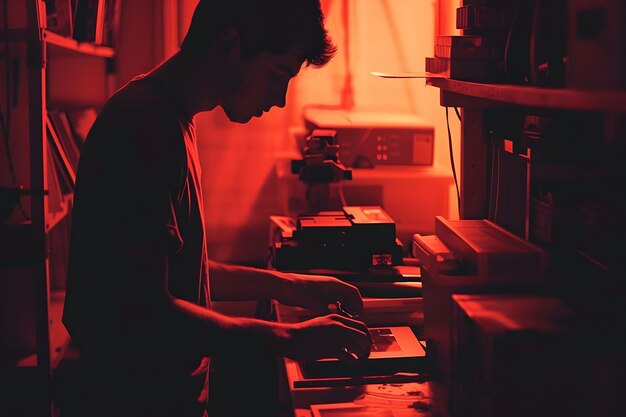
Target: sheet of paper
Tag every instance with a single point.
(349, 409)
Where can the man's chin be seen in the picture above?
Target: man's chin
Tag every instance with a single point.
(239, 118)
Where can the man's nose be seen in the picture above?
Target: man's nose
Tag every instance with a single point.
(280, 98)
(280, 103)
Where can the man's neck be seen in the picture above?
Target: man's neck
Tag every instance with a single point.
(189, 82)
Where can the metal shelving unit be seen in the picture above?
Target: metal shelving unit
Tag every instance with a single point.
(26, 374)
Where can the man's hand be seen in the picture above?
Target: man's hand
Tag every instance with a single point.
(317, 292)
(330, 336)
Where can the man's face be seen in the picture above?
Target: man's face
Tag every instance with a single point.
(258, 84)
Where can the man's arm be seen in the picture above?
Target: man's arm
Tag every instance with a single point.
(155, 316)
(315, 292)
(144, 191)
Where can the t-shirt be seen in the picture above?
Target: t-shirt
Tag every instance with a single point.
(137, 188)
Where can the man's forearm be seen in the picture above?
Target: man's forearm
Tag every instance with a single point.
(154, 317)
(197, 330)
(239, 283)
(313, 292)
(330, 336)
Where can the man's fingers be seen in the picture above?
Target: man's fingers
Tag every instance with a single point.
(332, 336)
(355, 324)
(360, 348)
(335, 290)
(351, 299)
(345, 355)
(354, 335)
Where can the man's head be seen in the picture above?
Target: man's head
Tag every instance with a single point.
(261, 45)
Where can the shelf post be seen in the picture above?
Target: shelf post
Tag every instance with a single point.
(474, 164)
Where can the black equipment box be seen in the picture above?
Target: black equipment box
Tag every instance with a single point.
(355, 239)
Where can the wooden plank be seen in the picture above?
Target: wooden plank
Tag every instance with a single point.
(551, 98)
(451, 99)
(81, 47)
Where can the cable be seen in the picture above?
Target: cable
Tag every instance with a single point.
(492, 179)
(342, 197)
(533, 73)
(458, 115)
(497, 196)
(269, 258)
(456, 181)
(509, 39)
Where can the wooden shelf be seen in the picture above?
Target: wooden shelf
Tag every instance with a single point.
(547, 98)
(73, 45)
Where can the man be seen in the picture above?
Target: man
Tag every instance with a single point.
(138, 299)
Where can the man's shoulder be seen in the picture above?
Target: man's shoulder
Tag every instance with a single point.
(138, 112)
(139, 97)
(139, 121)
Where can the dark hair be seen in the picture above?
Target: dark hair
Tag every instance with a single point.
(274, 26)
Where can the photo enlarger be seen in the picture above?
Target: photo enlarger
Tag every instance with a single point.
(412, 190)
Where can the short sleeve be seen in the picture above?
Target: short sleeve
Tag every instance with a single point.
(135, 176)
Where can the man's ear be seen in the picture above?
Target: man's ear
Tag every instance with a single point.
(229, 46)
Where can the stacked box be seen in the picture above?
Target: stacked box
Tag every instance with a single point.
(469, 257)
(467, 58)
(480, 18)
(516, 355)
(477, 55)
